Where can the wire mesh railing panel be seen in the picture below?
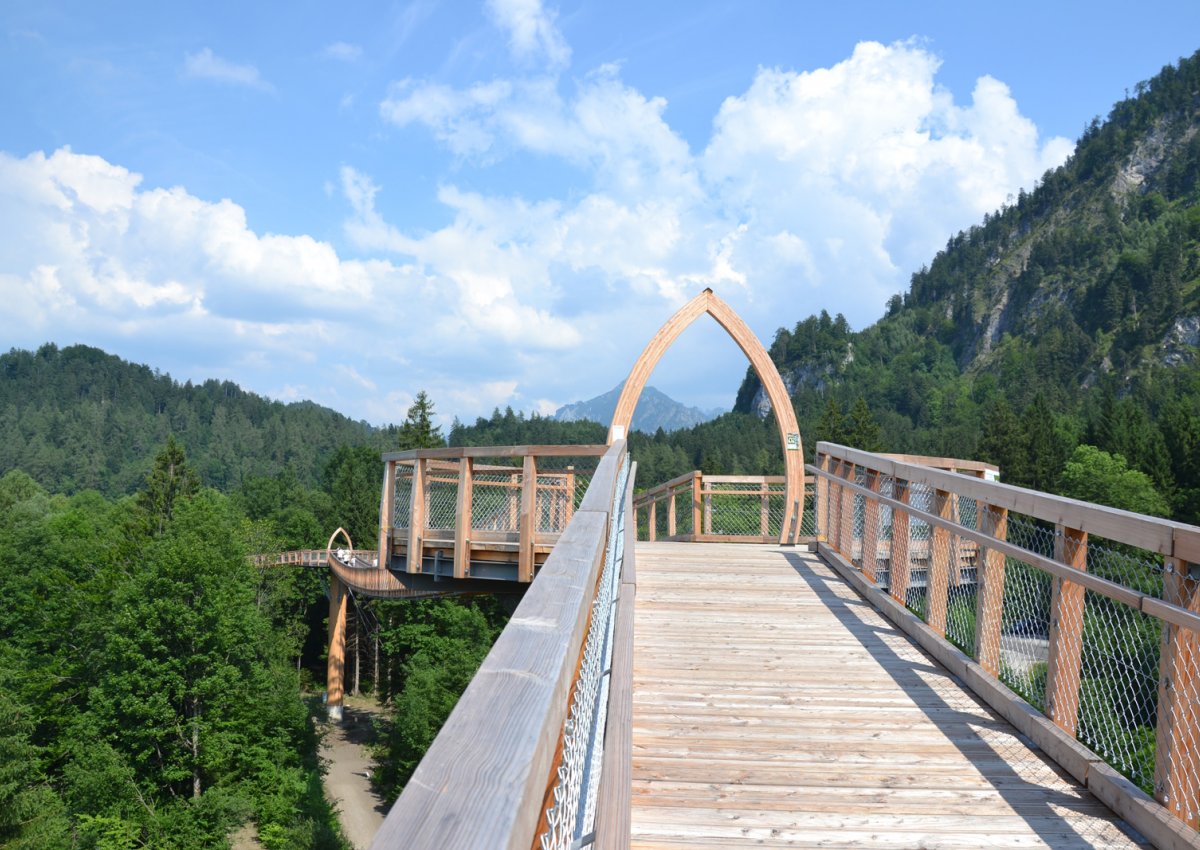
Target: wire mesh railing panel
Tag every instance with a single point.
(683, 510)
(734, 514)
(496, 501)
(1128, 566)
(554, 503)
(1025, 631)
(441, 500)
(1118, 686)
(660, 519)
(402, 497)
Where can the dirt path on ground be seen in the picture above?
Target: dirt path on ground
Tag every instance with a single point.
(348, 781)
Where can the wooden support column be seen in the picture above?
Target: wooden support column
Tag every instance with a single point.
(1066, 632)
(898, 580)
(528, 516)
(335, 670)
(870, 540)
(697, 482)
(764, 510)
(941, 552)
(835, 504)
(989, 581)
(846, 514)
(822, 500)
(462, 518)
(416, 522)
(671, 529)
(387, 512)
(1177, 761)
(514, 501)
(652, 522)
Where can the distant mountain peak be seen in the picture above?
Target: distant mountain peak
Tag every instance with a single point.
(655, 409)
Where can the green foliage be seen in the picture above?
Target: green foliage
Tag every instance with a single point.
(441, 643)
(77, 418)
(418, 430)
(1092, 475)
(145, 697)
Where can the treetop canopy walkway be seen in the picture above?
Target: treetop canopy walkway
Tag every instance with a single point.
(914, 654)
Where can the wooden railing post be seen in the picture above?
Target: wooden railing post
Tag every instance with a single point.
(846, 513)
(940, 555)
(870, 538)
(387, 512)
(1177, 758)
(821, 505)
(989, 580)
(899, 569)
(570, 485)
(652, 523)
(697, 528)
(1066, 632)
(416, 522)
(671, 529)
(528, 517)
(462, 519)
(764, 511)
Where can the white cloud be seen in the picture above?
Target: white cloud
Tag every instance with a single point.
(343, 51)
(206, 65)
(819, 189)
(532, 33)
(816, 190)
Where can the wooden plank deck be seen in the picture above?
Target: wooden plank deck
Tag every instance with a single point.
(773, 707)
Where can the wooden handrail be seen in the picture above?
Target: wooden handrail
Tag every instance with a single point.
(456, 452)
(483, 782)
(1137, 600)
(1173, 539)
(1175, 720)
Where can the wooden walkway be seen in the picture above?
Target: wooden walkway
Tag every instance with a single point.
(774, 707)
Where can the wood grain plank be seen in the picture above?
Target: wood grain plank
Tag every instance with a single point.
(773, 706)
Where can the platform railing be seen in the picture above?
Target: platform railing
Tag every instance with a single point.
(492, 499)
(701, 508)
(1088, 613)
(537, 751)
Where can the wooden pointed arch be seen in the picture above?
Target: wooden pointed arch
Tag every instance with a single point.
(781, 402)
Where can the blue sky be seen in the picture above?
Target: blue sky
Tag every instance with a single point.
(499, 202)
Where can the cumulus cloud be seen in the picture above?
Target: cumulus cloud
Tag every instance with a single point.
(532, 33)
(832, 184)
(206, 65)
(821, 189)
(94, 255)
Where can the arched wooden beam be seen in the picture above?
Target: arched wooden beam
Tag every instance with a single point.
(781, 402)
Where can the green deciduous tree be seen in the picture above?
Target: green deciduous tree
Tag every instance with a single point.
(1094, 475)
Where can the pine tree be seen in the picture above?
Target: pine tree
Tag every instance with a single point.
(170, 481)
(1002, 442)
(863, 432)
(832, 426)
(418, 430)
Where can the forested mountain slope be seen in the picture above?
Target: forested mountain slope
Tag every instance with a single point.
(77, 418)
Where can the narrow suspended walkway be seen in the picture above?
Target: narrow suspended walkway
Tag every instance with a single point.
(773, 706)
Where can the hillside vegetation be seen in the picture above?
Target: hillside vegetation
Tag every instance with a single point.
(77, 418)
